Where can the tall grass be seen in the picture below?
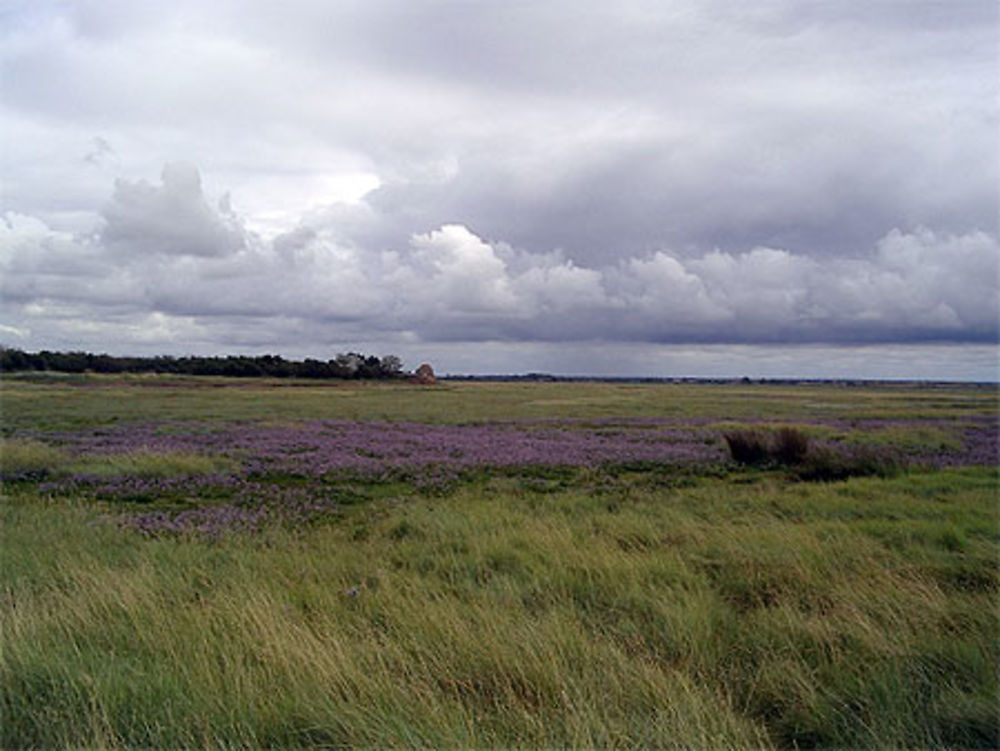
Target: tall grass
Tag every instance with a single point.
(610, 611)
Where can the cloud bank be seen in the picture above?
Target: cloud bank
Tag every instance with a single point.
(163, 250)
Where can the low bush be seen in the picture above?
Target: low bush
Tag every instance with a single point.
(829, 464)
(787, 446)
(790, 447)
(749, 446)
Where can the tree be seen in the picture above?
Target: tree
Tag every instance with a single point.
(391, 365)
(349, 363)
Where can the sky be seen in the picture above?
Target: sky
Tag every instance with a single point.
(783, 188)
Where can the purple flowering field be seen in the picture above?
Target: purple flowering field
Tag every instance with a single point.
(297, 472)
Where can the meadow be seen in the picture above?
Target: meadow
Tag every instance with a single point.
(213, 563)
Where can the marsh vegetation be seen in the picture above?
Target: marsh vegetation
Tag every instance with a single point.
(202, 563)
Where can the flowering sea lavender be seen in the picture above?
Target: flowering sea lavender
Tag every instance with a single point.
(247, 514)
(314, 448)
(284, 472)
(980, 444)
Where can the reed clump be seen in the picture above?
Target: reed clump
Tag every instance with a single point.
(791, 447)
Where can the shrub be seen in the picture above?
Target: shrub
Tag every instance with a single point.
(789, 447)
(748, 446)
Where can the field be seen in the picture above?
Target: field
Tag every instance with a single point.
(242, 564)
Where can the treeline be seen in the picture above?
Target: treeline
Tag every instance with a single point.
(348, 365)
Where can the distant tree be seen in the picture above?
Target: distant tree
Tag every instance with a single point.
(391, 366)
(371, 367)
(314, 369)
(349, 363)
(13, 359)
(275, 366)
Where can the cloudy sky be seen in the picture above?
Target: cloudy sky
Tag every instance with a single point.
(661, 187)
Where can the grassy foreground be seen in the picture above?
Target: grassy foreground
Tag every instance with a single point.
(627, 606)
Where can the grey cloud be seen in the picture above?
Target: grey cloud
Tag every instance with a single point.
(625, 48)
(171, 219)
(101, 151)
(819, 191)
(601, 131)
(450, 284)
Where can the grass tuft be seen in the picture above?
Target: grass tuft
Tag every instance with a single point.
(26, 459)
(791, 446)
(831, 464)
(152, 464)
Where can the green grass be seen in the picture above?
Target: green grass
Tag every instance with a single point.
(628, 607)
(32, 459)
(101, 400)
(713, 615)
(149, 463)
(27, 457)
